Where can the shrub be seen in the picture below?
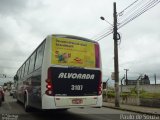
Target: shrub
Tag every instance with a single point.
(150, 95)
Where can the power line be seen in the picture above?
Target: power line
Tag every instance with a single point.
(121, 13)
(102, 33)
(110, 30)
(133, 18)
(126, 12)
(136, 11)
(139, 11)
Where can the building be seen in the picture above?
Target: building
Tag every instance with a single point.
(143, 81)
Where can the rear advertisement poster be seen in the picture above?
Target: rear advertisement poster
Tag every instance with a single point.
(71, 52)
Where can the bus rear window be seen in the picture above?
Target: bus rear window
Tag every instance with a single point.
(76, 53)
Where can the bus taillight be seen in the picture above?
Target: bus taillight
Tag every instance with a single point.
(49, 84)
(49, 87)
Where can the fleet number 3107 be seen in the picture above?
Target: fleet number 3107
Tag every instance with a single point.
(76, 87)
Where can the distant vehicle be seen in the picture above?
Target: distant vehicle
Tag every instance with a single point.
(63, 72)
(12, 91)
(1, 95)
(5, 87)
(14, 94)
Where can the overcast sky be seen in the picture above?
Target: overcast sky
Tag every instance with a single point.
(25, 23)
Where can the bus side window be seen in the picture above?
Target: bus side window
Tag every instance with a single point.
(26, 67)
(18, 75)
(39, 57)
(32, 61)
(23, 68)
(20, 70)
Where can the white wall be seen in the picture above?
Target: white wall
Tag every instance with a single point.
(147, 88)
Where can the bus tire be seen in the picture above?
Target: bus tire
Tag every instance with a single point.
(26, 106)
(3, 98)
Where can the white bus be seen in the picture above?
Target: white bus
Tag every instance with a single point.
(63, 72)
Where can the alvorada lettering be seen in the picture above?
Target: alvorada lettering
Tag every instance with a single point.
(76, 76)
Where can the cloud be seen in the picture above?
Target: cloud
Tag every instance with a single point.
(25, 23)
(10, 7)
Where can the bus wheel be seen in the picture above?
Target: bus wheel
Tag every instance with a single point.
(26, 106)
(3, 98)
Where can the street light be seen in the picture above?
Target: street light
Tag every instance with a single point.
(102, 18)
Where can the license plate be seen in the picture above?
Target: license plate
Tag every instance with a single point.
(77, 101)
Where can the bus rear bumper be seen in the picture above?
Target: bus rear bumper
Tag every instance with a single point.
(59, 102)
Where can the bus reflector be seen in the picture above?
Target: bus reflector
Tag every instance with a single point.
(49, 92)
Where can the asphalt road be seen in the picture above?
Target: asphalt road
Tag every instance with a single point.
(13, 110)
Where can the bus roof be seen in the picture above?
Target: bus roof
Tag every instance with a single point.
(73, 37)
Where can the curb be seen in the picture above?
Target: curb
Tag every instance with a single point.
(124, 109)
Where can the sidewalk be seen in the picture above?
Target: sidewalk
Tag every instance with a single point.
(132, 108)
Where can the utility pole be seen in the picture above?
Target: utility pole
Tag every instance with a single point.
(116, 66)
(155, 78)
(126, 76)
